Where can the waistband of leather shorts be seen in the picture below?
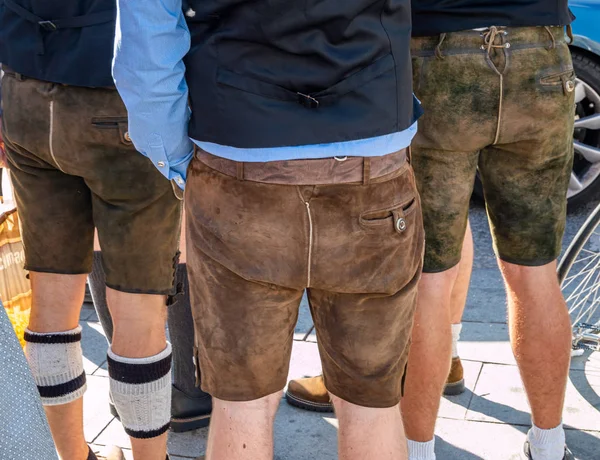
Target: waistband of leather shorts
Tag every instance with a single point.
(20, 77)
(325, 171)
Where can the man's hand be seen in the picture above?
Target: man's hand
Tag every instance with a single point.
(3, 163)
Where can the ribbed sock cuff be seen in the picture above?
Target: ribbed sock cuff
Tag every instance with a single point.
(141, 391)
(56, 363)
(456, 330)
(547, 444)
(421, 450)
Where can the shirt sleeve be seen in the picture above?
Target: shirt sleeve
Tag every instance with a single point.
(151, 40)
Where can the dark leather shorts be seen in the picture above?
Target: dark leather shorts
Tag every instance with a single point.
(254, 246)
(74, 168)
(500, 101)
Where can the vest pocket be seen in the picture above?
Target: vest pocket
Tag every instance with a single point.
(315, 100)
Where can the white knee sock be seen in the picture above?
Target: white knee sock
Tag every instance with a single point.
(56, 363)
(421, 450)
(141, 391)
(456, 328)
(547, 444)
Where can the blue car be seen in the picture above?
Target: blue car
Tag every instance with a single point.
(585, 178)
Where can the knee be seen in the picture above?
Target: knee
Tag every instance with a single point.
(348, 411)
(266, 405)
(138, 333)
(520, 278)
(439, 283)
(515, 271)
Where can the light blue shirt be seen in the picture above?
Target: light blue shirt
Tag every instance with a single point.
(152, 39)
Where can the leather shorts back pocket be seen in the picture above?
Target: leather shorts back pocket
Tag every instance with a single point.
(396, 218)
(560, 80)
(117, 123)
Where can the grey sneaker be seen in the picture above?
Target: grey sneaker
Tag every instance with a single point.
(527, 453)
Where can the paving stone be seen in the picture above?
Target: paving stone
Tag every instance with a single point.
(456, 406)
(114, 434)
(305, 321)
(87, 312)
(94, 344)
(467, 440)
(489, 343)
(190, 444)
(305, 360)
(102, 371)
(499, 397)
(92, 316)
(486, 343)
(95, 407)
(486, 301)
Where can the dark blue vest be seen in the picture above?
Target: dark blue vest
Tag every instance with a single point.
(271, 73)
(61, 41)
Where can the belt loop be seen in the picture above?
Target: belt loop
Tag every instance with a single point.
(553, 46)
(438, 48)
(366, 170)
(570, 34)
(240, 170)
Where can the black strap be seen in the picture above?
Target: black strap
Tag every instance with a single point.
(74, 22)
(50, 25)
(311, 101)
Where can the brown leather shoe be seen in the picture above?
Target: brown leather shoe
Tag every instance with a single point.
(455, 384)
(310, 394)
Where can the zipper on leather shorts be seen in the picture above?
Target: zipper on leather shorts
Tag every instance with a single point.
(310, 242)
(51, 136)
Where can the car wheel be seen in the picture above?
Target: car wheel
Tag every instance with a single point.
(584, 185)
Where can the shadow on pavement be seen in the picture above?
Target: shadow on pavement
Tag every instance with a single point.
(583, 445)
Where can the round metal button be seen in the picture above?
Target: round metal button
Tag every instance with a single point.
(179, 180)
(570, 85)
(401, 224)
(161, 164)
(126, 136)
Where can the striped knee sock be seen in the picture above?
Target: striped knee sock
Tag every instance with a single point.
(141, 391)
(56, 363)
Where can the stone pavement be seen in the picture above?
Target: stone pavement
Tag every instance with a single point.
(488, 421)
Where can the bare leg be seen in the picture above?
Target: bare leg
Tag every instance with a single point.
(57, 301)
(242, 430)
(540, 335)
(429, 359)
(139, 332)
(368, 433)
(463, 279)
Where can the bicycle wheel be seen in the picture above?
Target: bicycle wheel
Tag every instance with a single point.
(579, 276)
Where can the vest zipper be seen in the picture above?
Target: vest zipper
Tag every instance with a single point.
(310, 242)
(51, 136)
